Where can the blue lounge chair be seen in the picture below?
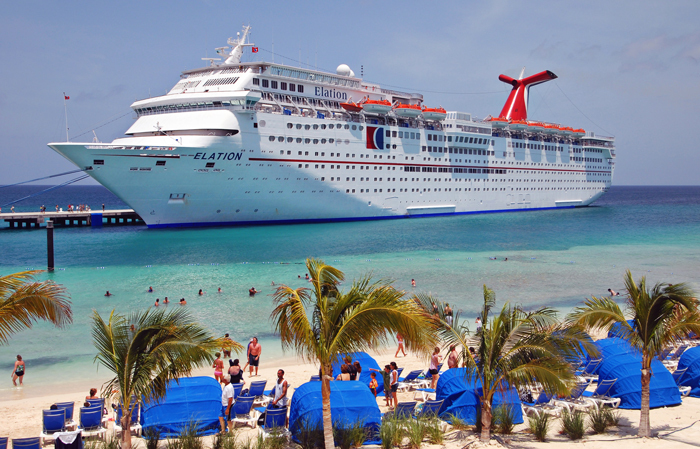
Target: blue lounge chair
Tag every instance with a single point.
(576, 401)
(601, 395)
(26, 443)
(543, 404)
(257, 391)
(53, 421)
(663, 355)
(672, 360)
(315, 378)
(677, 374)
(587, 372)
(237, 388)
(91, 422)
(3, 442)
(412, 381)
(403, 410)
(275, 422)
(68, 407)
(242, 411)
(135, 424)
(424, 394)
(430, 409)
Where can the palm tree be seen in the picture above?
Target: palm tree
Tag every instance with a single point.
(323, 322)
(660, 316)
(515, 348)
(145, 351)
(23, 301)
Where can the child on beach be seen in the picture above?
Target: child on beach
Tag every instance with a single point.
(386, 377)
(373, 384)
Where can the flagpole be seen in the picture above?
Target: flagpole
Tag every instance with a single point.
(65, 110)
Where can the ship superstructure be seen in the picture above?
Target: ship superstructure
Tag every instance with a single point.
(260, 142)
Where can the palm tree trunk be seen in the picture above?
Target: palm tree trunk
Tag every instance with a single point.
(327, 419)
(126, 431)
(485, 421)
(644, 424)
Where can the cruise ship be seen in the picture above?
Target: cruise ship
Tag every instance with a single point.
(244, 143)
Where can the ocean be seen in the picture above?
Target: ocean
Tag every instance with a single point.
(556, 258)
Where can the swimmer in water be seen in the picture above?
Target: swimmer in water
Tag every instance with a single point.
(219, 290)
(157, 302)
(183, 302)
(252, 291)
(272, 283)
(108, 293)
(150, 289)
(165, 301)
(200, 292)
(413, 282)
(613, 292)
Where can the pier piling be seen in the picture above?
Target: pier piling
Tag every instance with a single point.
(49, 244)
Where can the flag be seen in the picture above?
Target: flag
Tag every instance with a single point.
(255, 49)
(66, 97)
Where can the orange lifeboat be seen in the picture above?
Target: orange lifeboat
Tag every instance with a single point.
(498, 122)
(518, 125)
(579, 132)
(550, 128)
(351, 106)
(567, 131)
(535, 127)
(376, 106)
(434, 113)
(407, 110)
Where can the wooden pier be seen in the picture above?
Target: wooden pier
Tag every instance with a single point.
(93, 218)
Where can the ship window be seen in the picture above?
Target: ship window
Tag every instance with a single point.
(387, 145)
(210, 164)
(298, 125)
(307, 127)
(266, 83)
(307, 166)
(393, 134)
(256, 81)
(160, 163)
(290, 125)
(347, 126)
(361, 127)
(292, 87)
(315, 141)
(272, 138)
(330, 126)
(290, 139)
(449, 138)
(307, 140)
(315, 126)
(354, 127)
(102, 162)
(331, 141)
(430, 137)
(273, 84)
(299, 141)
(323, 126)
(471, 140)
(283, 85)
(299, 165)
(401, 134)
(300, 89)
(289, 153)
(280, 139)
(323, 140)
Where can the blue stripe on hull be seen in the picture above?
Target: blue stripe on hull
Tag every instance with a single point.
(331, 220)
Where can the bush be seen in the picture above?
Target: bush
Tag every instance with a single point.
(310, 434)
(602, 418)
(573, 424)
(504, 419)
(225, 441)
(152, 437)
(433, 430)
(539, 426)
(349, 435)
(391, 433)
(457, 422)
(415, 431)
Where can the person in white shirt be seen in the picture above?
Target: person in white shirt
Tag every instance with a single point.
(226, 404)
(280, 391)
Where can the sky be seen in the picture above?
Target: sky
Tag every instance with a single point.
(629, 69)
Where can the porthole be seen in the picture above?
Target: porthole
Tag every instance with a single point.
(290, 125)
(280, 139)
(290, 139)
(307, 127)
(315, 126)
(330, 126)
(272, 138)
(347, 142)
(298, 125)
(238, 210)
(323, 140)
(261, 123)
(323, 126)
(298, 139)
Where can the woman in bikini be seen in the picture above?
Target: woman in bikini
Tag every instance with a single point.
(218, 368)
(18, 371)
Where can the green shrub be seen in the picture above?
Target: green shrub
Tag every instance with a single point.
(433, 429)
(391, 433)
(152, 437)
(225, 441)
(539, 426)
(573, 424)
(349, 435)
(503, 419)
(309, 434)
(415, 431)
(602, 418)
(457, 422)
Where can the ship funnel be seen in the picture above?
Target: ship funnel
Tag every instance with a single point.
(516, 105)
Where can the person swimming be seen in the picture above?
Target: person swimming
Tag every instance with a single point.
(613, 292)
(108, 293)
(157, 302)
(252, 291)
(201, 292)
(182, 301)
(165, 301)
(150, 289)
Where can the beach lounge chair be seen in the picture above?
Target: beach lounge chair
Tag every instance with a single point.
(576, 401)
(26, 443)
(91, 422)
(275, 423)
(543, 404)
(430, 409)
(315, 379)
(257, 392)
(53, 421)
(412, 381)
(135, 425)
(601, 395)
(677, 374)
(242, 411)
(672, 359)
(663, 355)
(587, 371)
(68, 407)
(237, 388)
(3, 442)
(424, 394)
(403, 410)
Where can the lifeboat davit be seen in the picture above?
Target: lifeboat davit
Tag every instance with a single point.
(407, 110)
(498, 122)
(351, 107)
(376, 106)
(567, 131)
(434, 114)
(579, 132)
(518, 125)
(535, 127)
(550, 129)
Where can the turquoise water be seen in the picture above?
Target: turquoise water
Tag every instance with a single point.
(555, 258)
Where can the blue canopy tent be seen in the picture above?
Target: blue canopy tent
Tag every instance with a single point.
(461, 398)
(350, 402)
(616, 330)
(691, 378)
(366, 362)
(622, 362)
(193, 400)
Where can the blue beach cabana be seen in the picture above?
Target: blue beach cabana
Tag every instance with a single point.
(350, 402)
(622, 362)
(461, 397)
(194, 399)
(691, 378)
(366, 362)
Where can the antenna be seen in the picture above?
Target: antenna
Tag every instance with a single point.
(95, 139)
(65, 111)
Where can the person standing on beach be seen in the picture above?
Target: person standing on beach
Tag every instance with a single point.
(18, 371)
(452, 357)
(226, 404)
(401, 348)
(254, 356)
(247, 355)
(235, 371)
(386, 377)
(226, 344)
(448, 314)
(218, 368)
(478, 323)
(394, 380)
(434, 362)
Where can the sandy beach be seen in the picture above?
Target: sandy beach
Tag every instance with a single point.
(673, 426)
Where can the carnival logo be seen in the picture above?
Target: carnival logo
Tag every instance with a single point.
(375, 138)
